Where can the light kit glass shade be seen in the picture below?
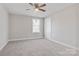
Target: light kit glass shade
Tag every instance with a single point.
(36, 9)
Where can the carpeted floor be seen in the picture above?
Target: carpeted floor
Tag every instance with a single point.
(38, 47)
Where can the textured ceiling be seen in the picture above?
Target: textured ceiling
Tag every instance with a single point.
(20, 8)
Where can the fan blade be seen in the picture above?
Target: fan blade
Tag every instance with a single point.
(36, 5)
(43, 5)
(31, 4)
(42, 10)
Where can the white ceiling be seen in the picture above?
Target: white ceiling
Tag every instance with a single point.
(20, 8)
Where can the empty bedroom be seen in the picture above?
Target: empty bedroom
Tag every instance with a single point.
(39, 29)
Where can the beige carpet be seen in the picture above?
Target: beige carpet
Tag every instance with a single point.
(37, 47)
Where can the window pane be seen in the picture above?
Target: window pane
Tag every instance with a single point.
(36, 25)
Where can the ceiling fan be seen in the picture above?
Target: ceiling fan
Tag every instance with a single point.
(38, 7)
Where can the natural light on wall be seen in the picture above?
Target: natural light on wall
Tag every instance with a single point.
(36, 25)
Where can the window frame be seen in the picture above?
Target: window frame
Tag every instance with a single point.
(39, 26)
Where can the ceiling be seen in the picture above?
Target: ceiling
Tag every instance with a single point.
(21, 9)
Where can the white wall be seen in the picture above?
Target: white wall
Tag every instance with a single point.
(20, 27)
(63, 27)
(3, 27)
(48, 28)
(77, 25)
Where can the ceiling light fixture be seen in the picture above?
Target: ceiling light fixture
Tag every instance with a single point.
(36, 9)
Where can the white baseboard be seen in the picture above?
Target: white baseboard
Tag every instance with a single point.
(3, 46)
(24, 39)
(64, 44)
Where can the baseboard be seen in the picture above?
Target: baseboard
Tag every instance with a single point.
(3, 46)
(24, 39)
(64, 44)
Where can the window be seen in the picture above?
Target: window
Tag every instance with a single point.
(36, 25)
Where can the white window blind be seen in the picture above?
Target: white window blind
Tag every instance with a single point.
(36, 25)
